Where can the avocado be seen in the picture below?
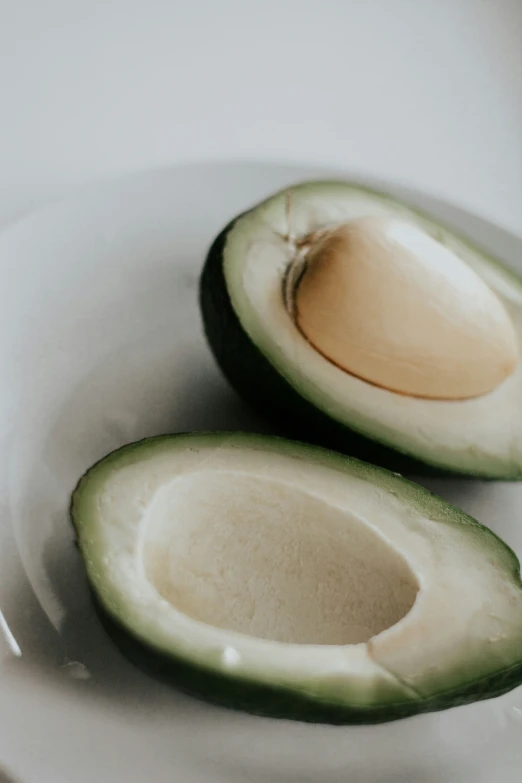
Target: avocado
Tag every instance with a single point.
(410, 359)
(290, 581)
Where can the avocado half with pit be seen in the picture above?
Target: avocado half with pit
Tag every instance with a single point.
(290, 581)
(357, 323)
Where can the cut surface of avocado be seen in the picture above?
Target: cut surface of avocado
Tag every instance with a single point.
(291, 581)
(270, 355)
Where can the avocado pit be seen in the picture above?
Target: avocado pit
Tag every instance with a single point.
(386, 302)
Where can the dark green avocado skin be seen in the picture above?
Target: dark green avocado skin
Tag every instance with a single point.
(260, 385)
(260, 699)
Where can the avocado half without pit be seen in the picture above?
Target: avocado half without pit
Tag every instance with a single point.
(291, 581)
(357, 323)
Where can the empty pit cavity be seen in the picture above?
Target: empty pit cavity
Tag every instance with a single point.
(267, 559)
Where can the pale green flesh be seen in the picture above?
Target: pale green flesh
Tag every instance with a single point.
(481, 436)
(173, 529)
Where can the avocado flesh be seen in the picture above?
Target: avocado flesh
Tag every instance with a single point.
(291, 581)
(271, 364)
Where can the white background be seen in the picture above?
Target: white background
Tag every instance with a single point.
(428, 92)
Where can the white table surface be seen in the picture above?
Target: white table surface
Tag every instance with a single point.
(428, 92)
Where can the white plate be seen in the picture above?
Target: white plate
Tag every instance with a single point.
(100, 344)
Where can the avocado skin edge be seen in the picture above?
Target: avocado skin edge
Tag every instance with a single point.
(262, 387)
(273, 702)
